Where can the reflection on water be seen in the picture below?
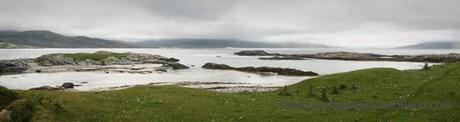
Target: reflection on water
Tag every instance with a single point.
(198, 57)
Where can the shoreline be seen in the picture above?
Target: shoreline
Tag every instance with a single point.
(225, 87)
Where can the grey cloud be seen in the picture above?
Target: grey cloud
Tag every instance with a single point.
(189, 9)
(335, 22)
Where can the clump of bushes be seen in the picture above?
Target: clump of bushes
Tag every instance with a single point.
(354, 87)
(7, 97)
(21, 110)
(325, 92)
(426, 67)
(343, 87)
(335, 90)
(452, 94)
(312, 92)
(324, 96)
(284, 91)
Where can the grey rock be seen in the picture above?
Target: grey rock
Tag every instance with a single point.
(216, 66)
(68, 85)
(54, 59)
(176, 66)
(252, 53)
(143, 56)
(13, 66)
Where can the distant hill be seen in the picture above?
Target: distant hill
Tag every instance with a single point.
(222, 43)
(48, 39)
(434, 45)
(10, 46)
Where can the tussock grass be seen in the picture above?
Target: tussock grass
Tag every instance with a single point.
(94, 56)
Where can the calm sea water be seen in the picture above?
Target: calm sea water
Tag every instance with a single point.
(198, 57)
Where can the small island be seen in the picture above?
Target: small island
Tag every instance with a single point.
(353, 56)
(97, 61)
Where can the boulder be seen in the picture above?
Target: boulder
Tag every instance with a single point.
(68, 85)
(216, 66)
(252, 53)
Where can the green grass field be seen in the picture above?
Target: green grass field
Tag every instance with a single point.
(379, 94)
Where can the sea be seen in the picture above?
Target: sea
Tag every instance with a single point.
(195, 58)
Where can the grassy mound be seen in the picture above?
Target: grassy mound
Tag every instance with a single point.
(365, 95)
(97, 56)
(7, 97)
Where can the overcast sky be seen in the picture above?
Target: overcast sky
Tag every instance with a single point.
(347, 23)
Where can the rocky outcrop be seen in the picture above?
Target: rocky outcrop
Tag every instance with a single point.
(216, 66)
(13, 66)
(252, 53)
(354, 56)
(54, 59)
(283, 58)
(64, 86)
(261, 70)
(176, 66)
(101, 60)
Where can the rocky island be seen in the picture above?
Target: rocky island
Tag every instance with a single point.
(353, 56)
(261, 70)
(98, 61)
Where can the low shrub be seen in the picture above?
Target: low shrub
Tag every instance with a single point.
(312, 92)
(6, 97)
(343, 87)
(426, 67)
(21, 110)
(335, 90)
(284, 91)
(324, 96)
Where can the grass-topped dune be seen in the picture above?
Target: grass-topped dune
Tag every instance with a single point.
(379, 94)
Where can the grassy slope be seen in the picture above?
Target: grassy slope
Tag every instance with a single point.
(167, 103)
